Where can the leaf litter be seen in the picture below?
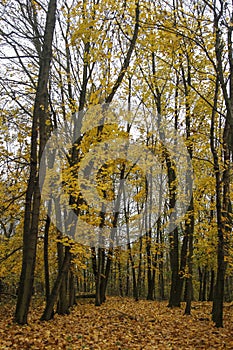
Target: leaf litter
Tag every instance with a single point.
(120, 323)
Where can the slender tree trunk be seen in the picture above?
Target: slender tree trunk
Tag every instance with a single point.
(49, 310)
(190, 231)
(50, 161)
(139, 277)
(183, 263)
(161, 265)
(127, 278)
(200, 273)
(33, 198)
(189, 223)
(227, 296)
(217, 310)
(119, 267)
(104, 281)
(150, 257)
(135, 287)
(203, 296)
(72, 300)
(223, 204)
(174, 300)
(99, 277)
(46, 255)
(63, 303)
(211, 289)
(127, 59)
(150, 281)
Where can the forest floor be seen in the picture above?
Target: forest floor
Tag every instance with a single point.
(120, 323)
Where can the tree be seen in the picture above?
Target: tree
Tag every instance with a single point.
(32, 204)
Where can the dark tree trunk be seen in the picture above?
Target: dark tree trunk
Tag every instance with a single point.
(121, 293)
(135, 287)
(139, 277)
(211, 289)
(203, 297)
(84, 281)
(99, 277)
(72, 298)
(189, 222)
(46, 254)
(174, 300)
(33, 198)
(150, 279)
(49, 310)
(161, 268)
(203, 277)
(127, 279)
(223, 204)
(217, 311)
(201, 282)
(106, 274)
(63, 303)
(183, 262)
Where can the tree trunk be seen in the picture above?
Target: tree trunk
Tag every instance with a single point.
(203, 297)
(33, 198)
(190, 232)
(127, 279)
(223, 204)
(120, 283)
(49, 310)
(217, 310)
(72, 299)
(201, 282)
(135, 287)
(99, 277)
(63, 303)
(161, 263)
(150, 280)
(211, 289)
(46, 254)
(174, 300)
(139, 277)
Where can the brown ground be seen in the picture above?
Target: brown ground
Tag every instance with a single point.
(120, 323)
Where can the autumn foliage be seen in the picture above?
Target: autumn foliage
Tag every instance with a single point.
(116, 174)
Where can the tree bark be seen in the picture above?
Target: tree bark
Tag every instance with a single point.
(33, 198)
(49, 310)
(217, 310)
